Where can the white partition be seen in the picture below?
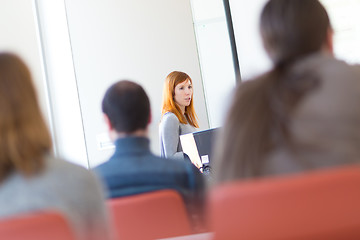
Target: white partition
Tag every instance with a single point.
(19, 35)
(253, 59)
(345, 19)
(215, 56)
(140, 40)
(64, 102)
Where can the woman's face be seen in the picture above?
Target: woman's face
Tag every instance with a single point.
(183, 94)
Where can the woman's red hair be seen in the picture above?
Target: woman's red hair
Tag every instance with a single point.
(169, 105)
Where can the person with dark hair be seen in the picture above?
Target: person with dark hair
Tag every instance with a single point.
(301, 115)
(133, 169)
(31, 178)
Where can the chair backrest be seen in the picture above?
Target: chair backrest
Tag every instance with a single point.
(323, 204)
(152, 215)
(36, 226)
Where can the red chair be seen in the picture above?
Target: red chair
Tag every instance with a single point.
(36, 226)
(153, 215)
(322, 204)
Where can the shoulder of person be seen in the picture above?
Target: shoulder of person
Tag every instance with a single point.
(328, 64)
(252, 84)
(71, 172)
(355, 68)
(105, 166)
(188, 166)
(170, 116)
(179, 162)
(63, 165)
(319, 63)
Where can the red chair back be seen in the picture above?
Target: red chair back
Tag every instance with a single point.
(151, 215)
(36, 226)
(322, 204)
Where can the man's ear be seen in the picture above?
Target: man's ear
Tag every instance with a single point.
(329, 40)
(150, 118)
(108, 123)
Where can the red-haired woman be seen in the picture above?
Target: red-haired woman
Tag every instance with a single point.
(178, 114)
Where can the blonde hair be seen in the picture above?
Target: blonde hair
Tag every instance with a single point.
(24, 137)
(169, 105)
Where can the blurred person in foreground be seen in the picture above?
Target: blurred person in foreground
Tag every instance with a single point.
(31, 179)
(133, 169)
(304, 113)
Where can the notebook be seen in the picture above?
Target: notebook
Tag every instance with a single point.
(198, 146)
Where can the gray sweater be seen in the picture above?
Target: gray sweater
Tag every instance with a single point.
(170, 130)
(325, 126)
(65, 187)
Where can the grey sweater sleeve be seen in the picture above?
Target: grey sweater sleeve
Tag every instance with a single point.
(170, 136)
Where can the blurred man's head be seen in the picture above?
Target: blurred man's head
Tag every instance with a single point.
(126, 107)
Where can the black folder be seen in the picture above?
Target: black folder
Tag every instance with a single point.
(199, 145)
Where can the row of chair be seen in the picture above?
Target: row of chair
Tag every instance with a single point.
(317, 205)
(36, 226)
(323, 204)
(155, 215)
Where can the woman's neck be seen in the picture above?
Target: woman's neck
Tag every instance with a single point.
(182, 109)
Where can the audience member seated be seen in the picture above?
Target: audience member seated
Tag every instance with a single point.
(301, 115)
(31, 179)
(133, 169)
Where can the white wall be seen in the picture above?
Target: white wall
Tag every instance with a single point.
(141, 40)
(344, 16)
(67, 120)
(253, 59)
(19, 35)
(345, 19)
(217, 68)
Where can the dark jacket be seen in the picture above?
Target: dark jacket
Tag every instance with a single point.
(133, 169)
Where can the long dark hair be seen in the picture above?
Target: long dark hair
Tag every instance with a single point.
(259, 116)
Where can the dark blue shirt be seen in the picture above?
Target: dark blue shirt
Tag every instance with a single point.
(133, 169)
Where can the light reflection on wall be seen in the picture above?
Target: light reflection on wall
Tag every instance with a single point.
(215, 57)
(345, 19)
